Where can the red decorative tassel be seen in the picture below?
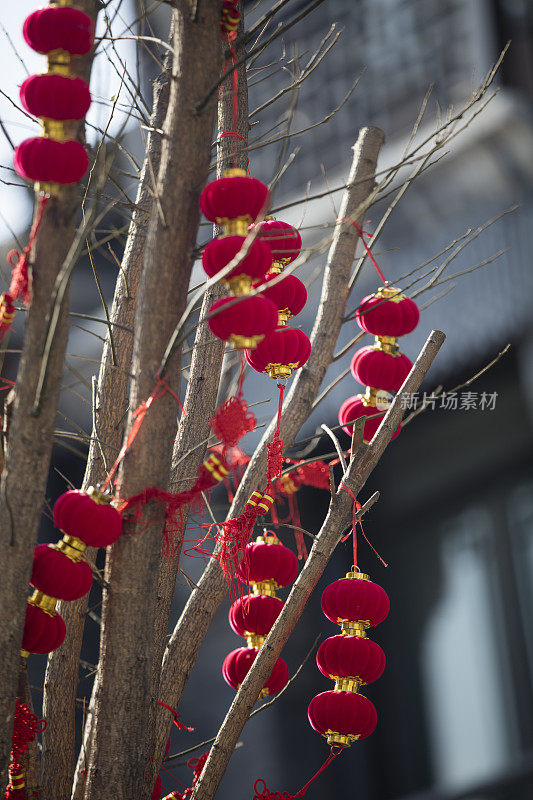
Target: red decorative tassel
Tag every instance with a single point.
(20, 287)
(233, 535)
(197, 765)
(211, 472)
(25, 728)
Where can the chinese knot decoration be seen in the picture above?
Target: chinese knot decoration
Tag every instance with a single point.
(267, 564)
(381, 367)
(59, 570)
(25, 728)
(62, 33)
(343, 715)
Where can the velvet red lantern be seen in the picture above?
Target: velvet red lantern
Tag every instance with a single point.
(44, 629)
(49, 161)
(284, 241)
(288, 294)
(267, 562)
(387, 313)
(350, 661)
(218, 254)
(89, 517)
(238, 663)
(234, 200)
(59, 28)
(55, 574)
(55, 97)
(245, 323)
(358, 406)
(254, 614)
(355, 603)
(342, 717)
(374, 367)
(280, 353)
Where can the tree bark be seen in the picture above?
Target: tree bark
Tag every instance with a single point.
(204, 377)
(61, 679)
(337, 518)
(30, 440)
(118, 764)
(185, 642)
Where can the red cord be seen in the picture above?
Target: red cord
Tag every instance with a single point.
(266, 794)
(362, 233)
(356, 506)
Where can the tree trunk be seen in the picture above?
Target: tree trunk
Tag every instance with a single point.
(61, 679)
(118, 764)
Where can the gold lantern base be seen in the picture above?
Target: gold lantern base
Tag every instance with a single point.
(344, 739)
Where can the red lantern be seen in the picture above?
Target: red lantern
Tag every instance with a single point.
(89, 517)
(289, 295)
(59, 28)
(55, 574)
(48, 161)
(235, 200)
(254, 614)
(359, 406)
(342, 717)
(284, 241)
(374, 367)
(350, 661)
(280, 353)
(388, 313)
(55, 97)
(245, 323)
(44, 629)
(267, 564)
(355, 603)
(238, 663)
(218, 254)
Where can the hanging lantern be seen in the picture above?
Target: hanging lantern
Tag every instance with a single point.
(59, 28)
(244, 324)
(381, 370)
(253, 615)
(361, 406)
(284, 241)
(237, 664)
(387, 313)
(56, 97)
(351, 661)
(289, 295)
(218, 254)
(280, 353)
(49, 161)
(267, 565)
(234, 201)
(87, 518)
(60, 575)
(355, 603)
(44, 629)
(342, 717)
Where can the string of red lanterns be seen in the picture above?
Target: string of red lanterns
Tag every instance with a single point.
(59, 571)
(381, 367)
(267, 565)
(59, 99)
(343, 715)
